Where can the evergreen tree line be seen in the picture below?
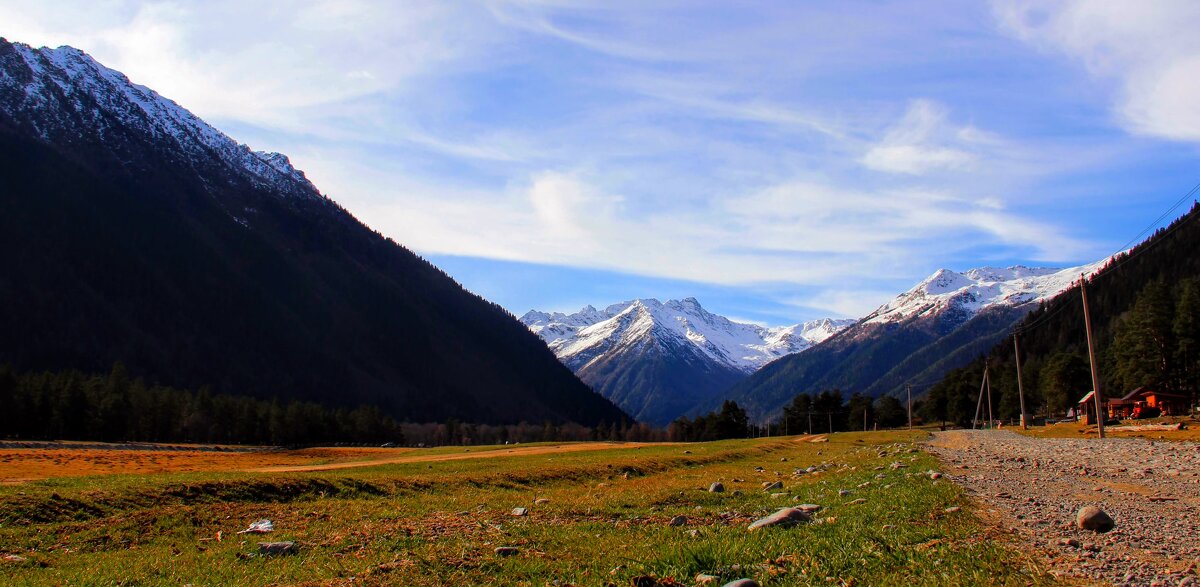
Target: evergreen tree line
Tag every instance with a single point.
(820, 413)
(829, 411)
(728, 422)
(113, 408)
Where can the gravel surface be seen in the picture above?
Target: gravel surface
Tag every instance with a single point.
(1036, 486)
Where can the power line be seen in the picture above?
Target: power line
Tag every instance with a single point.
(1112, 268)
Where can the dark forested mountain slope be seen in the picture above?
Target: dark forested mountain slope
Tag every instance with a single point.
(132, 231)
(1145, 308)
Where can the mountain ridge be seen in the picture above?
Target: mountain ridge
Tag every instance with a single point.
(939, 324)
(658, 360)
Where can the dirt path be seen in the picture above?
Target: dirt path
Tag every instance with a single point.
(467, 454)
(1034, 486)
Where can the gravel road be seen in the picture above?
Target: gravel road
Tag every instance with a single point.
(1035, 486)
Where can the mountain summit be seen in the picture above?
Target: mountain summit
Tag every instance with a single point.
(658, 360)
(133, 231)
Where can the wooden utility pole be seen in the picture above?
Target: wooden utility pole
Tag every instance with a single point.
(810, 428)
(864, 419)
(987, 381)
(1020, 386)
(979, 402)
(1087, 324)
(830, 416)
(908, 389)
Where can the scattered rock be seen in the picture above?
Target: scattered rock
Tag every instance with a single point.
(808, 508)
(678, 521)
(14, 558)
(844, 492)
(951, 509)
(1094, 519)
(703, 579)
(716, 487)
(541, 500)
(776, 485)
(507, 551)
(782, 518)
(778, 495)
(935, 476)
(277, 548)
(742, 583)
(520, 511)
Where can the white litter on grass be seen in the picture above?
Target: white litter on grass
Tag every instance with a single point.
(259, 527)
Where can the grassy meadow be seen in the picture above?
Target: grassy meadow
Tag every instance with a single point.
(596, 517)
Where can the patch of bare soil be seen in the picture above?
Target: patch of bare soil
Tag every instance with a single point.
(1035, 486)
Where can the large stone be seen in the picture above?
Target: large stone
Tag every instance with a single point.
(768, 486)
(782, 518)
(277, 548)
(520, 511)
(506, 551)
(717, 487)
(742, 583)
(679, 521)
(809, 508)
(1094, 519)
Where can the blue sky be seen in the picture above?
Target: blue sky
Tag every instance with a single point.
(780, 161)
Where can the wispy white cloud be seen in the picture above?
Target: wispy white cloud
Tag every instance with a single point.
(922, 142)
(1149, 47)
(805, 146)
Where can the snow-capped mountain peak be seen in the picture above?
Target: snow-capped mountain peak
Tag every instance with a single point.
(977, 289)
(39, 85)
(590, 335)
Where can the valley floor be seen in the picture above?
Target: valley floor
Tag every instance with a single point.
(594, 517)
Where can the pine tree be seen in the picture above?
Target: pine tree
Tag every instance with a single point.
(796, 414)
(1143, 347)
(1063, 380)
(1186, 330)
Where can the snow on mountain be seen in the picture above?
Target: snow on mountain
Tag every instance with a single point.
(586, 336)
(971, 291)
(39, 85)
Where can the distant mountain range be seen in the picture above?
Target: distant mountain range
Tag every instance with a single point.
(132, 231)
(940, 324)
(659, 360)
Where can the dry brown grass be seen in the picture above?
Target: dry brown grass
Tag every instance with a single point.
(1191, 432)
(24, 465)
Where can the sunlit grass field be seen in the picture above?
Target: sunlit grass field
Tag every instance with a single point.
(595, 517)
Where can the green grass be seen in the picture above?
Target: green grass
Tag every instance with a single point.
(438, 523)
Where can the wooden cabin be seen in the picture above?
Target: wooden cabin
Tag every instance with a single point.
(1145, 401)
(1085, 408)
